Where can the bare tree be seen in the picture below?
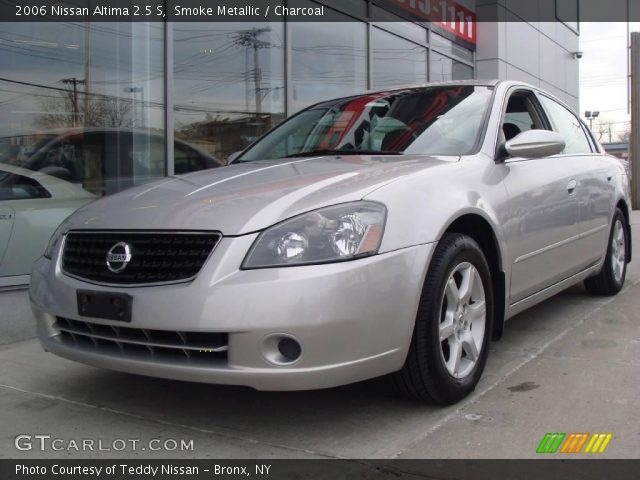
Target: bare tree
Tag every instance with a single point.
(102, 111)
(57, 112)
(111, 112)
(625, 136)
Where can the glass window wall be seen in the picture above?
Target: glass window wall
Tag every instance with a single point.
(83, 106)
(396, 61)
(328, 60)
(228, 88)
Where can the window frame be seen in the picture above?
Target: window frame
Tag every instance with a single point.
(532, 98)
(566, 22)
(370, 48)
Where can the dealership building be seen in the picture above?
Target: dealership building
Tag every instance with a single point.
(105, 106)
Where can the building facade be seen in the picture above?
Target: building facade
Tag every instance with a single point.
(95, 108)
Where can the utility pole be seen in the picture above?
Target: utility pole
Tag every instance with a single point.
(249, 39)
(257, 77)
(87, 72)
(635, 118)
(74, 81)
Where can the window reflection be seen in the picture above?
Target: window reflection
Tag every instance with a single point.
(81, 116)
(397, 61)
(328, 60)
(229, 86)
(423, 120)
(445, 68)
(83, 107)
(450, 48)
(79, 99)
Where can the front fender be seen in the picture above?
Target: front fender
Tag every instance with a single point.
(421, 207)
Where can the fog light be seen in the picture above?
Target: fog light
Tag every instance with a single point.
(289, 349)
(281, 349)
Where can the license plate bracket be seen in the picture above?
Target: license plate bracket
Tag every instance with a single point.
(105, 305)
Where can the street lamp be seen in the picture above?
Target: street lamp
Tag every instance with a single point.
(589, 115)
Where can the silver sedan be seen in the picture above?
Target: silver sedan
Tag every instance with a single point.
(392, 232)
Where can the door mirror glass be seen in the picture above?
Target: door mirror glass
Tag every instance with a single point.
(535, 144)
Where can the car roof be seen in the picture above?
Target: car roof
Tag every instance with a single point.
(446, 83)
(398, 88)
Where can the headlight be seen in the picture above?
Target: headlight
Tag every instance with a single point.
(331, 234)
(54, 241)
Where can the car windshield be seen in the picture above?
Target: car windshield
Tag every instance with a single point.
(442, 120)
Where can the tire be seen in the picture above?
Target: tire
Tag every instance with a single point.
(429, 373)
(614, 271)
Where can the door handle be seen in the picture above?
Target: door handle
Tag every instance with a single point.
(571, 187)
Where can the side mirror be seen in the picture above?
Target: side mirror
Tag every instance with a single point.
(535, 144)
(233, 156)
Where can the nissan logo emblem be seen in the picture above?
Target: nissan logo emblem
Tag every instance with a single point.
(118, 257)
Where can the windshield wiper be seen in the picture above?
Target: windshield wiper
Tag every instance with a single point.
(320, 152)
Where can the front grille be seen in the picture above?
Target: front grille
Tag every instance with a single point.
(156, 257)
(152, 344)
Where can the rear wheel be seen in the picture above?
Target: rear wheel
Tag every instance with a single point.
(614, 271)
(449, 347)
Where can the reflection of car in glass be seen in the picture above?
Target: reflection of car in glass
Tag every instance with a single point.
(105, 161)
(32, 205)
(386, 233)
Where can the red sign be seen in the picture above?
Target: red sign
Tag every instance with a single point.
(447, 14)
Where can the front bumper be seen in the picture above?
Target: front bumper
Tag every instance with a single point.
(354, 320)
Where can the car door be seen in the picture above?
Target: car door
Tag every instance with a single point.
(7, 215)
(6, 226)
(541, 218)
(33, 221)
(594, 192)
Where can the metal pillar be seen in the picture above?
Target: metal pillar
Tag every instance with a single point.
(635, 119)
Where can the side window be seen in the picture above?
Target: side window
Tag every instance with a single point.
(520, 115)
(566, 124)
(19, 187)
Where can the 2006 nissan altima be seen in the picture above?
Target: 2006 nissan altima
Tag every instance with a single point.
(387, 233)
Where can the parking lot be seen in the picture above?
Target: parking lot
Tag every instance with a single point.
(568, 365)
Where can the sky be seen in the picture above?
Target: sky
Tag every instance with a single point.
(603, 76)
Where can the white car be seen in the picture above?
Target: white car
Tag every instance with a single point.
(32, 205)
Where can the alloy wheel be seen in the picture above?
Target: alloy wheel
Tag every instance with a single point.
(618, 251)
(463, 320)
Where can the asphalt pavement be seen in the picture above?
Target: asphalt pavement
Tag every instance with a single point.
(570, 364)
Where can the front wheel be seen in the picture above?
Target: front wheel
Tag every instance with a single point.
(449, 347)
(614, 271)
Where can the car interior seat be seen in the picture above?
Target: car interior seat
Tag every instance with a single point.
(510, 130)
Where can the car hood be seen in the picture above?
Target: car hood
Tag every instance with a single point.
(248, 197)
